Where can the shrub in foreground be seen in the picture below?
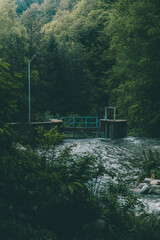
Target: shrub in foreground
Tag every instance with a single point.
(59, 196)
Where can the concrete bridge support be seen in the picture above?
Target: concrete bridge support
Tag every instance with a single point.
(114, 128)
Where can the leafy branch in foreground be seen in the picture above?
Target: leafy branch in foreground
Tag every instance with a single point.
(47, 141)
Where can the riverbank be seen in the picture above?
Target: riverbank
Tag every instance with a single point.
(72, 189)
(123, 157)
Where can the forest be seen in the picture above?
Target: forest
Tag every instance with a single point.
(84, 55)
(90, 54)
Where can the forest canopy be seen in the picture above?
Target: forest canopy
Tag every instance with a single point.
(91, 54)
(80, 56)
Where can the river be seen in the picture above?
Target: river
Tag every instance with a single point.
(122, 156)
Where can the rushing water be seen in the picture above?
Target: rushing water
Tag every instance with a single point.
(122, 156)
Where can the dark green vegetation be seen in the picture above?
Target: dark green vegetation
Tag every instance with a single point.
(45, 196)
(91, 54)
(151, 164)
(50, 196)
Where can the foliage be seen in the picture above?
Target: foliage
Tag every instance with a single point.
(23, 5)
(32, 21)
(9, 93)
(47, 142)
(81, 45)
(151, 164)
(13, 37)
(13, 50)
(91, 54)
(63, 200)
(133, 29)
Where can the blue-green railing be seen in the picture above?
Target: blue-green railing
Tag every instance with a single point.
(80, 122)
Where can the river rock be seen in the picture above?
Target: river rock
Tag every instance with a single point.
(142, 188)
(155, 182)
(136, 190)
(155, 189)
(145, 189)
(148, 180)
(141, 185)
(135, 178)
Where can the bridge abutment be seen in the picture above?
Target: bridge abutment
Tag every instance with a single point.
(114, 128)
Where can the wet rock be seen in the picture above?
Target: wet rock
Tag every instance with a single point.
(155, 189)
(145, 189)
(135, 178)
(155, 182)
(141, 185)
(136, 190)
(148, 180)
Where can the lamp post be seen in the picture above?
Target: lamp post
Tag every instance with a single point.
(29, 87)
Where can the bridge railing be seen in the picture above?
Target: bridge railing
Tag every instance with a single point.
(80, 122)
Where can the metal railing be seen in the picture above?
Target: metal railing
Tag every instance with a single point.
(80, 122)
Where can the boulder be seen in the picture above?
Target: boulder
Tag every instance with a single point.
(141, 185)
(136, 190)
(142, 188)
(148, 180)
(145, 189)
(155, 182)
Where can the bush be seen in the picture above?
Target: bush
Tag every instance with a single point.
(64, 199)
(151, 164)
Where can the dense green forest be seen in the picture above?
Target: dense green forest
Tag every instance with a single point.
(91, 54)
(88, 55)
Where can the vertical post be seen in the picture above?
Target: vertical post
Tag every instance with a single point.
(114, 112)
(97, 122)
(29, 91)
(86, 121)
(105, 112)
(73, 122)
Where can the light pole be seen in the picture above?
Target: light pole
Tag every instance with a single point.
(29, 87)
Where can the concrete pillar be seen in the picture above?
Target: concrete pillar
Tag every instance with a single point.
(114, 128)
